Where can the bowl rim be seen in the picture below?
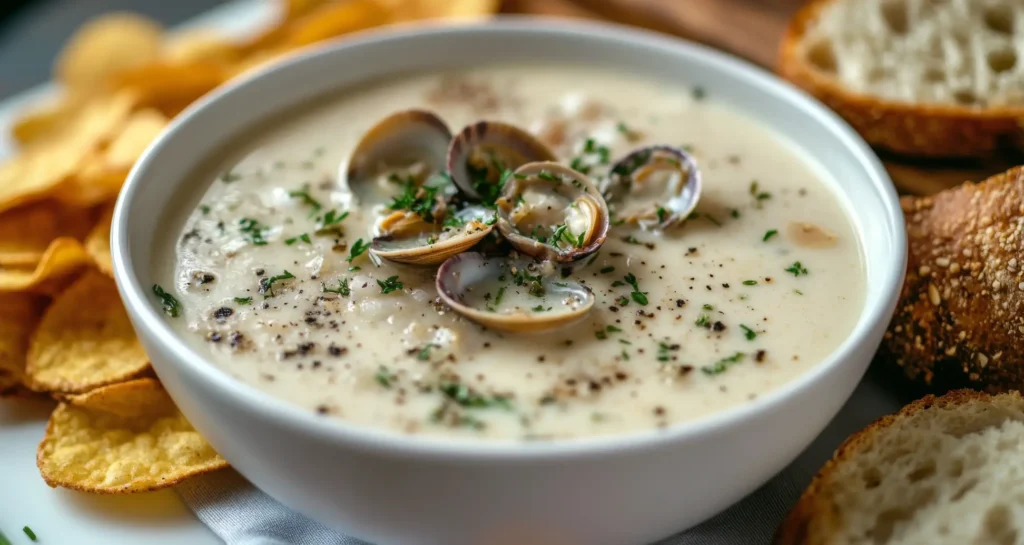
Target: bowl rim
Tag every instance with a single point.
(266, 406)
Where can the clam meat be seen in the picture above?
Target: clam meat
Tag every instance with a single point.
(654, 187)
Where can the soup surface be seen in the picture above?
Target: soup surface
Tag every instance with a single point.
(271, 279)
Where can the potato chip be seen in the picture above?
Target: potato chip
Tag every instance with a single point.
(97, 244)
(171, 87)
(294, 9)
(142, 128)
(61, 261)
(201, 44)
(44, 119)
(336, 19)
(121, 439)
(19, 313)
(105, 46)
(26, 231)
(84, 340)
(410, 10)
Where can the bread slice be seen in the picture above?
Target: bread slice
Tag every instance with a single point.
(960, 319)
(943, 471)
(929, 78)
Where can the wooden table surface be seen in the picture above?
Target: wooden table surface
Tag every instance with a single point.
(751, 29)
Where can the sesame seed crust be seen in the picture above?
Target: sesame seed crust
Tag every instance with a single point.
(960, 320)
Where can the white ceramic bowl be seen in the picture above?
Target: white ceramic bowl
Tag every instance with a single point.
(388, 488)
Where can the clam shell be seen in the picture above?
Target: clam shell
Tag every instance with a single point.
(567, 183)
(673, 204)
(494, 146)
(460, 278)
(406, 239)
(401, 139)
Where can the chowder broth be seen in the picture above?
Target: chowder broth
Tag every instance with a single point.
(277, 288)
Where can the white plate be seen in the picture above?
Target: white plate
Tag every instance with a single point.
(61, 516)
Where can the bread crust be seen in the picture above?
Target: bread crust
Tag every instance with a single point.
(960, 319)
(920, 130)
(816, 519)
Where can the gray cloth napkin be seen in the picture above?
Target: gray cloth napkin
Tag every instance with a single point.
(241, 514)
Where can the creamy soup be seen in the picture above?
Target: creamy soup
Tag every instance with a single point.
(272, 277)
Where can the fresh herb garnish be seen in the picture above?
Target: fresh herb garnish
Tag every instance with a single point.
(661, 213)
(703, 320)
(329, 222)
(750, 282)
(769, 234)
(254, 230)
(28, 532)
(708, 307)
(342, 289)
(540, 308)
(424, 353)
(735, 213)
(798, 292)
(357, 249)
(204, 209)
(545, 175)
(622, 301)
(390, 284)
(750, 334)
(639, 296)
(613, 329)
(501, 294)
(304, 237)
(532, 282)
(723, 364)
(243, 300)
(417, 199)
(797, 269)
(712, 219)
(266, 285)
(606, 270)
(384, 377)
(625, 356)
(601, 334)
(230, 176)
(631, 240)
(453, 221)
(171, 305)
(307, 199)
(622, 128)
(465, 397)
(663, 354)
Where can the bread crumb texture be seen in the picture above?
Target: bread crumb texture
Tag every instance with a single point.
(960, 319)
(940, 78)
(943, 471)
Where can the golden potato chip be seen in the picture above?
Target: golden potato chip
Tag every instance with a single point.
(27, 231)
(142, 128)
(98, 242)
(336, 19)
(84, 340)
(294, 9)
(19, 313)
(44, 119)
(105, 46)
(410, 10)
(170, 87)
(121, 439)
(63, 258)
(197, 45)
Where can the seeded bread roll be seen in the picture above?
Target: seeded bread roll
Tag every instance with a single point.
(929, 78)
(943, 471)
(960, 320)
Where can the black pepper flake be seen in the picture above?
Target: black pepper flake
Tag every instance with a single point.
(691, 251)
(613, 308)
(718, 326)
(685, 370)
(214, 337)
(759, 356)
(236, 339)
(708, 288)
(659, 410)
(317, 364)
(336, 350)
(621, 375)
(680, 303)
(260, 272)
(221, 315)
(322, 409)
(725, 285)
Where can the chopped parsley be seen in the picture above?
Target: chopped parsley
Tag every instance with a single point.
(489, 192)
(453, 221)
(798, 292)
(304, 237)
(622, 128)
(171, 305)
(532, 282)
(601, 334)
(661, 213)
(797, 269)
(592, 154)
(622, 301)
(230, 176)
(384, 377)
(390, 284)
(329, 222)
(342, 289)
(607, 270)
(613, 329)
(306, 199)
(703, 320)
(266, 285)
(204, 209)
(769, 234)
(357, 249)
(465, 397)
(545, 175)
(498, 298)
(699, 93)
(419, 200)
(663, 354)
(254, 230)
(540, 308)
(424, 353)
(708, 307)
(750, 334)
(750, 282)
(625, 356)
(28, 532)
(723, 364)
(712, 219)
(243, 300)
(735, 213)
(631, 240)
(639, 296)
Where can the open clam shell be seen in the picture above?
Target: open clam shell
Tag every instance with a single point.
(655, 187)
(483, 151)
(406, 238)
(549, 211)
(410, 144)
(511, 294)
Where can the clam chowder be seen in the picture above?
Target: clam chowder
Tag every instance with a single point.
(521, 252)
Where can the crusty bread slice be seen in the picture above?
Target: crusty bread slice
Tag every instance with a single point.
(932, 78)
(942, 471)
(960, 319)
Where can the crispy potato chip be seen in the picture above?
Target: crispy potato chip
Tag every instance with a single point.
(121, 439)
(294, 9)
(84, 340)
(336, 19)
(105, 46)
(170, 87)
(201, 44)
(64, 257)
(142, 128)
(98, 242)
(26, 231)
(410, 10)
(44, 119)
(19, 313)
